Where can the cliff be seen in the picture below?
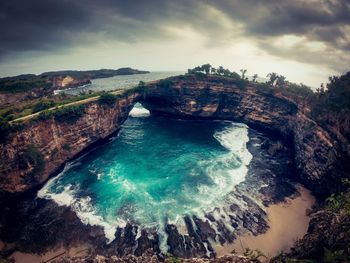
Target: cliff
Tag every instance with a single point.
(24, 88)
(41, 147)
(317, 153)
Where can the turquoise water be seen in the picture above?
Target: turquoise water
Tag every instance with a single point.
(156, 170)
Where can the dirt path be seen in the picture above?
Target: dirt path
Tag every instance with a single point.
(118, 92)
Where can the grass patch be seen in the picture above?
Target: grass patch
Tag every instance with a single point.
(24, 83)
(106, 98)
(68, 114)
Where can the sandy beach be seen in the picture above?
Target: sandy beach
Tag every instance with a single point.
(288, 222)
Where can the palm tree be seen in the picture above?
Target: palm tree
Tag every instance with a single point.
(255, 76)
(281, 80)
(243, 71)
(273, 77)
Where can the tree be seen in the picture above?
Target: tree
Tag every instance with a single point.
(243, 71)
(281, 80)
(272, 78)
(221, 70)
(255, 76)
(213, 71)
(206, 68)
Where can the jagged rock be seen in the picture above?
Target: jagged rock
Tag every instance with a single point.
(150, 257)
(57, 142)
(316, 152)
(327, 230)
(147, 241)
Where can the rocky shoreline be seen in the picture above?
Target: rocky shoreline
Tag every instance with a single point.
(294, 148)
(271, 167)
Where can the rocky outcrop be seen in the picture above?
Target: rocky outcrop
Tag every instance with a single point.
(327, 231)
(64, 82)
(42, 147)
(316, 152)
(150, 257)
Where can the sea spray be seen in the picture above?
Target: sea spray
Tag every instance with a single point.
(157, 170)
(139, 111)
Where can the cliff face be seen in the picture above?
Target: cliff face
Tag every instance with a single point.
(43, 146)
(316, 152)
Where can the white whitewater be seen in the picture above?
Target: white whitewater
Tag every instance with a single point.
(226, 171)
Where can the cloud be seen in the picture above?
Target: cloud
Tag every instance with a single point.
(322, 27)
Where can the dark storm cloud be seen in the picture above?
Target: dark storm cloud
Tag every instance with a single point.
(321, 20)
(38, 25)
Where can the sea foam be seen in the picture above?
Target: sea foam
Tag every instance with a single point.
(82, 206)
(139, 111)
(225, 170)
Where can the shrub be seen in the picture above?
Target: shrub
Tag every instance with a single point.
(340, 202)
(107, 99)
(165, 83)
(336, 99)
(66, 147)
(43, 105)
(21, 85)
(5, 130)
(33, 156)
(171, 259)
(64, 114)
(241, 83)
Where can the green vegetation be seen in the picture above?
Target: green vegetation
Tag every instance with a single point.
(275, 83)
(6, 129)
(33, 157)
(334, 256)
(14, 112)
(327, 256)
(207, 69)
(335, 98)
(165, 83)
(340, 203)
(169, 258)
(28, 82)
(68, 114)
(107, 98)
(23, 83)
(43, 105)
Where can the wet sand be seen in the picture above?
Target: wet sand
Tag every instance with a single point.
(20, 257)
(288, 222)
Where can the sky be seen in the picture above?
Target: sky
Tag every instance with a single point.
(304, 40)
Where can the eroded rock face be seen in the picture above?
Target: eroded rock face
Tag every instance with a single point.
(57, 142)
(150, 257)
(327, 230)
(316, 150)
